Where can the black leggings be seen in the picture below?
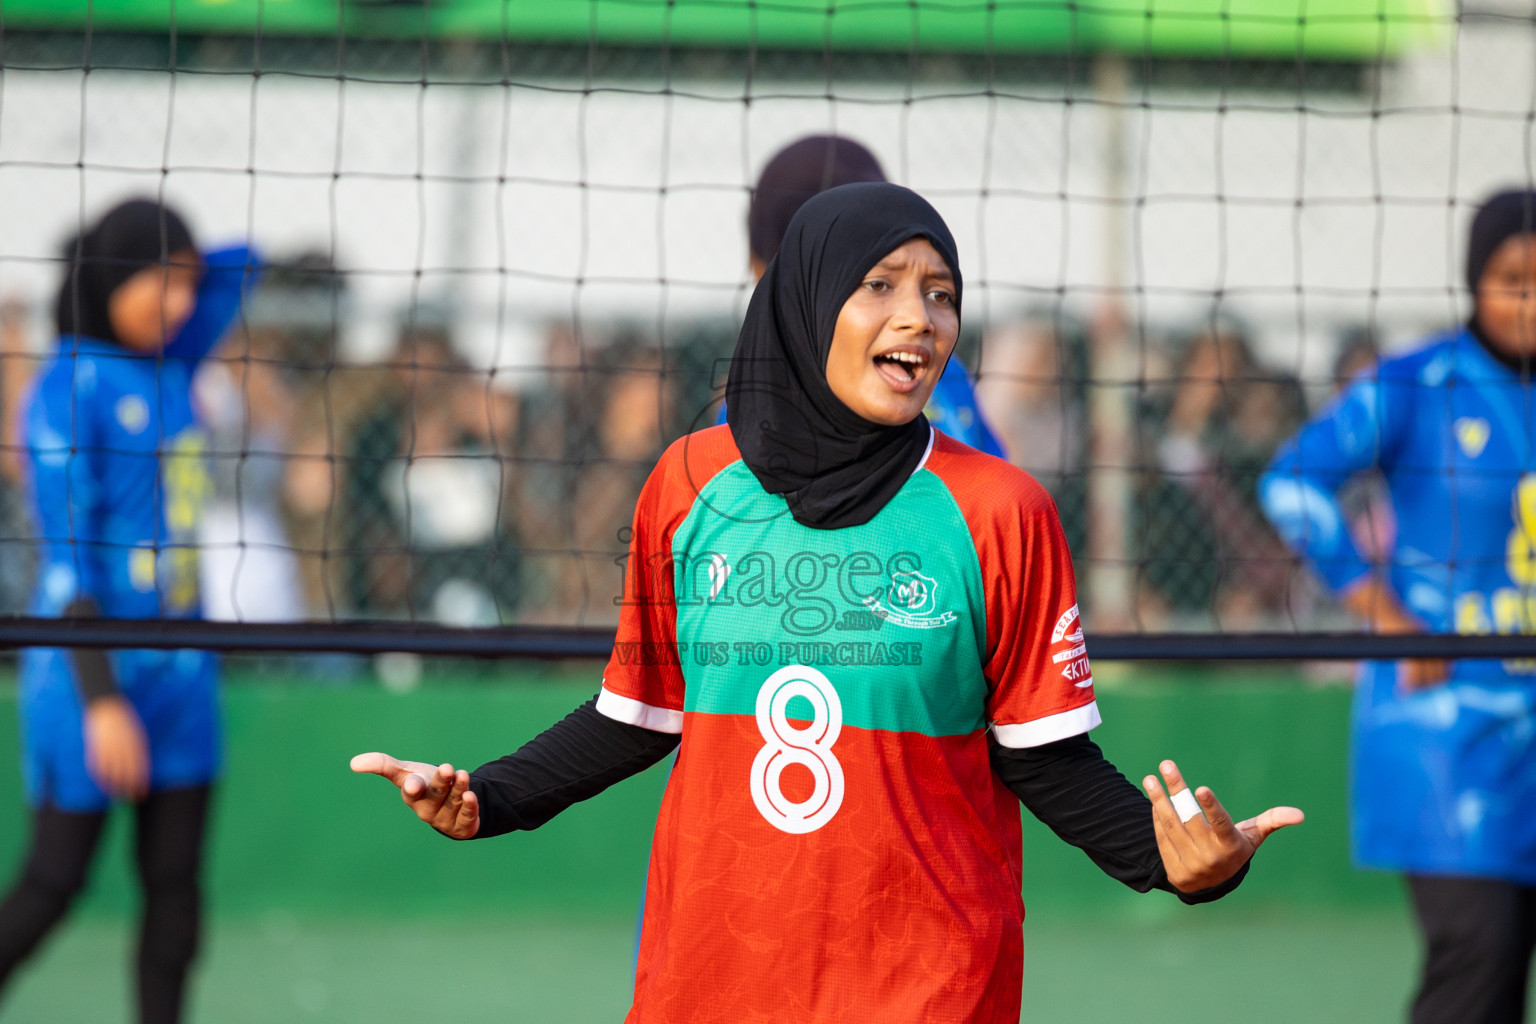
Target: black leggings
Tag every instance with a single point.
(1479, 934)
(168, 849)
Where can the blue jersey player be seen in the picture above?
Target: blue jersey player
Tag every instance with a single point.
(117, 480)
(814, 164)
(1444, 754)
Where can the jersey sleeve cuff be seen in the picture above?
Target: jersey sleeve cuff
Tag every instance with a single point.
(1050, 728)
(634, 712)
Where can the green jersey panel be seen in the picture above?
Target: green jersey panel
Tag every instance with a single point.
(893, 611)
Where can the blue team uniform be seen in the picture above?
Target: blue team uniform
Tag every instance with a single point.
(952, 408)
(1444, 780)
(118, 478)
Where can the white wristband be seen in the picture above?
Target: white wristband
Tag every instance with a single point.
(1185, 803)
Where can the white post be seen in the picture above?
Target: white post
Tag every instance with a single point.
(1111, 577)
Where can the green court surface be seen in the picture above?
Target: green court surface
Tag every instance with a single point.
(329, 902)
(276, 967)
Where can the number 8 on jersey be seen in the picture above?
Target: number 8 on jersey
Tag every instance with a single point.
(810, 747)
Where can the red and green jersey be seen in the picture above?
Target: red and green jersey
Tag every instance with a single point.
(833, 845)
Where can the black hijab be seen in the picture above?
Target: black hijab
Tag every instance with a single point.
(137, 234)
(832, 466)
(1500, 218)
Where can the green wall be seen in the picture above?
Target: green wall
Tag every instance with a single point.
(1353, 29)
(296, 830)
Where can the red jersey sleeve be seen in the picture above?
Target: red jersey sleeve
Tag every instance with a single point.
(643, 683)
(1039, 684)
(1037, 668)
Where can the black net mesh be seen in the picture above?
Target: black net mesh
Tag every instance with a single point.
(507, 255)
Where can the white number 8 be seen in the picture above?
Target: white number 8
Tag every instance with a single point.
(811, 748)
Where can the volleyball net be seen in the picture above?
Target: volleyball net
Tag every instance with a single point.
(506, 255)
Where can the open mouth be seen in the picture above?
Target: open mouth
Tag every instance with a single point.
(902, 367)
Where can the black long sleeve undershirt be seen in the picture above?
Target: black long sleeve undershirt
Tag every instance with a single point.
(573, 760)
(93, 671)
(1068, 785)
(1071, 787)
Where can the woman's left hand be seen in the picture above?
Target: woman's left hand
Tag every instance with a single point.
(116, 750)
(1207, 849)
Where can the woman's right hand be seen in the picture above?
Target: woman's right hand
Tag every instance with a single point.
(440, 796)
(115, 748)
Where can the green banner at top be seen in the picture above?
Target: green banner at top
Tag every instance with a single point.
(1323, 29)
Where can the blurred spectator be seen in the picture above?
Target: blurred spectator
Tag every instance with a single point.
(302, 301)
(1206, 545)
(293, 322)
(250, 572)
(1027, 396)
(18, 364)
(17, 368)
(698, 358)
(579, 513)
(552, 437)
(426, 489)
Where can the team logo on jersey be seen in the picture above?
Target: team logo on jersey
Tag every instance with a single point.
(1472, 435)
(912, 601)
(133, 413)
(1073, 657)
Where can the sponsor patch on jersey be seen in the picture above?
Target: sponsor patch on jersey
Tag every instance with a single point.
(1069, 627)
(133, 413)
(1070, 651)
(912, 601)
(1472, 435)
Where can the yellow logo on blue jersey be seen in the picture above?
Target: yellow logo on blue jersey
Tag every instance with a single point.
(133, 413)
(1472, 434)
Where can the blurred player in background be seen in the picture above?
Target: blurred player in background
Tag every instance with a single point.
(838, 840)
(1444, 773)
(117, 479)
(796, 173)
